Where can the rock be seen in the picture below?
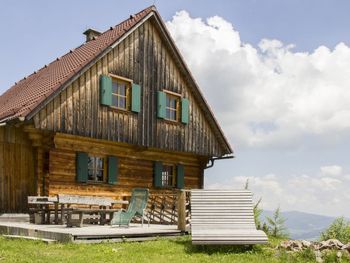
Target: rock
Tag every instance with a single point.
(331, 244)
(292, 245)
(306, 244)
(284, 244)
(346, 247)
(315, 246)
(297, 245)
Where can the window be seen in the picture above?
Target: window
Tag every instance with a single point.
(96, 168)
(120, 93)
(168, 176)
(172, 107)
(92, 168)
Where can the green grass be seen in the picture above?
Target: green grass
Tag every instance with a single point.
(162, 250)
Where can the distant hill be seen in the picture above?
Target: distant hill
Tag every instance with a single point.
(303, 225)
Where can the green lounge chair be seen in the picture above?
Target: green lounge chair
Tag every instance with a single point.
(137, 206)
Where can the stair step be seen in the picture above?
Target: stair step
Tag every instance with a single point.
(45, 240)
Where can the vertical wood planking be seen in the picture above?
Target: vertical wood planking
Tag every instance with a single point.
(99, 109)
(88, 110)
(16, 170)
(57, 113)
(144, 58)
(76, 107)
(69, 109)
(94, 102)
(103, 113)
(109, 123)
(82, 105)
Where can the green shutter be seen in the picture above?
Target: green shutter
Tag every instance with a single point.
(158, 167)
(113, 169)
(135, 98)
(82, 167)
(184, 110)
(105, 90)
(161, 105)
(180, 176)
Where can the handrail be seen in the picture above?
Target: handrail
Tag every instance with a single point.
(169, 208)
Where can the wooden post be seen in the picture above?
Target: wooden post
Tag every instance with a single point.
(39, 172)
(37, 141)
(181, 210)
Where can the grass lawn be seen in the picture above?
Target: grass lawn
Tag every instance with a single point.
(162, 250)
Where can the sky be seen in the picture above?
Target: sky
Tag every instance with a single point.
(276, 73)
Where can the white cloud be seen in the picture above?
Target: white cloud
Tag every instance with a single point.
(320, 193)
(331, 170)
(266, 95)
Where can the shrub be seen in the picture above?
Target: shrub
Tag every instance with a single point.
(257, 210)
(339, 229)
(276, 226)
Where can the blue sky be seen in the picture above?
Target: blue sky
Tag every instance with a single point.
(282, 66)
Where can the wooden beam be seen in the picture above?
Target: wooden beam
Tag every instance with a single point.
(80, 143)
(181, 208)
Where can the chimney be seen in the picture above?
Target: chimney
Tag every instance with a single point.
(91, 34)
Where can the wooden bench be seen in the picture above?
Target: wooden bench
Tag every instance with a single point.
(224, 217)
(86, 205)
(40, 208)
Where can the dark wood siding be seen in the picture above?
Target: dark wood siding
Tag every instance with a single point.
(135, 167)
(144, 58)
(16, 170)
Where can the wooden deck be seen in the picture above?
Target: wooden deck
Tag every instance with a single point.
(89, 233)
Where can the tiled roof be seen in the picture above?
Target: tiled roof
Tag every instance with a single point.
(29, 93)
(23, 97)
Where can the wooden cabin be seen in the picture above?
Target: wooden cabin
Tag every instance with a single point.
(118, 112)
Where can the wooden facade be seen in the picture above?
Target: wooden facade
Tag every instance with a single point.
(38, 154)
(135, 167)
(17, 177)
(143, 57)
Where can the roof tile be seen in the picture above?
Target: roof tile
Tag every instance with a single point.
(23, 97)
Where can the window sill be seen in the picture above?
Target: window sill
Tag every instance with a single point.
(120, 110)
(96, 182)
(179, 123)
(167, 187)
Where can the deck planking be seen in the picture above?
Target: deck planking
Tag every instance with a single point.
(89, 233)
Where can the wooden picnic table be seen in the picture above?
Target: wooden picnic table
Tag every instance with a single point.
(42, 207)
(67, 205)
(72, 204)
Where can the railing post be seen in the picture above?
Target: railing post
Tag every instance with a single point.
(181, 210)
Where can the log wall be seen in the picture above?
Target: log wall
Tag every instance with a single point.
(144, 58)
(17, 179)
(135, 167)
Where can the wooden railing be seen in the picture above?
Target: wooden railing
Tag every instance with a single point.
(169, 208)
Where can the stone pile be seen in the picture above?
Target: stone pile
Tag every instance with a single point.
(319, 248)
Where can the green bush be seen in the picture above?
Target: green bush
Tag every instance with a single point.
(339, 229)
(276, 227)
